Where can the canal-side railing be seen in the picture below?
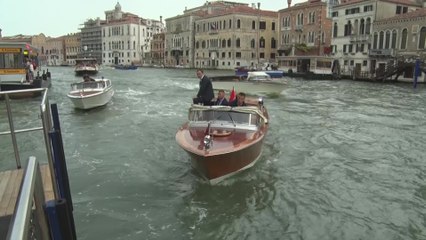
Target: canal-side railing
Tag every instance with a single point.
(26, 223)
(46, 126)
(58, 212)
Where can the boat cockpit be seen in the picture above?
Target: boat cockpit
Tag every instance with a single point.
(247, 118)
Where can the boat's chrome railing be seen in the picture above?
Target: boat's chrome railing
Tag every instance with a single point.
(26, 223)
(46, 126)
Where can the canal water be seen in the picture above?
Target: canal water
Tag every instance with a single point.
(342, 160)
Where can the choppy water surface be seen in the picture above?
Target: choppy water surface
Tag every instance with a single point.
(342, 160)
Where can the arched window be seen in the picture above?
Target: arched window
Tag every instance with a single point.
(238, 23)
(375, 38)
(355, 28)
(422, 40)
(335, 30)
(404, 39)
(253, 25)
(394, 37)
(273, 43)
(252, 43)
(262, 42)
(197, 45)
(224, 24)
(203, 44)
(381, 39)
(387, 40)
(229, 42)
(362, 27)
(368, 26)
(223, 43)
(230, 23)
(237, 43)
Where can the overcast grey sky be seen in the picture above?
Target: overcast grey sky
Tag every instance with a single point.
(58, 17)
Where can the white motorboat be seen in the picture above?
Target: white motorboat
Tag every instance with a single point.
(257, 83)
(91, 94)
(86, 66)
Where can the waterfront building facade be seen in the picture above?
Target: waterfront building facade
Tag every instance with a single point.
(72, 46)
(179, 38)
(153, 27)
(180, 33)
(91, 39)
(157, 49)
(235, 37)
(400, 39)
(126, 37)
(38, 41)
(305, 38)
(353, 29)
(54, 50)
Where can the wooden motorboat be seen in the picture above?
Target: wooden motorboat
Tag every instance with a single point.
(91, 94)
(221, 140)
(86, 66)
(257, 83)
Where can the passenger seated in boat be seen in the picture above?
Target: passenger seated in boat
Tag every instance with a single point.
(239, 102)
(86, 78)
(221, 100)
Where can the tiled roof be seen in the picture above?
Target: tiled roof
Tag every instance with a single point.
(410, 15)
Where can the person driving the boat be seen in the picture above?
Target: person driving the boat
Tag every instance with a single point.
(239, 102)
(221, 100)
(86, 78)
(205, 94)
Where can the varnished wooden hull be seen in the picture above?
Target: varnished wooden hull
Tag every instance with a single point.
(229, 153)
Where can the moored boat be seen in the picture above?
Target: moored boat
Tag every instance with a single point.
(91, 94)
(126, 67)
(221, 140)
(21, 71)
(257, 83)
(86, 66)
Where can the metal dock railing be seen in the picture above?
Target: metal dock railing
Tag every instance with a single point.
(37, 204)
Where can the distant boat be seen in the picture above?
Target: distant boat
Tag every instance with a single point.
(86, 66)
(223, 140)
(256, 83)
(126, 67)
(91, 94)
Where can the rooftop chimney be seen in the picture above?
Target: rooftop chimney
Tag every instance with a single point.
(289, 3)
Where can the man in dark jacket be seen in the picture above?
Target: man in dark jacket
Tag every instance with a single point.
(205, 93)
(221, 100)
(240, 101)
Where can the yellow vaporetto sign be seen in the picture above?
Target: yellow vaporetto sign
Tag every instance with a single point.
(12, 71)
(10, 50)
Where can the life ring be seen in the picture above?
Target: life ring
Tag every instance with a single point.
(221, 133)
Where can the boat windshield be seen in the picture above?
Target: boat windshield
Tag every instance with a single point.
(84, 85)
(239, 118)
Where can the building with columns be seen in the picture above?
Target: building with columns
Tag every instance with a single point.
(305, 38)
(353, 30)
(401, 38)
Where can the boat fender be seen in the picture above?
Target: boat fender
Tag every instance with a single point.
(221, 133)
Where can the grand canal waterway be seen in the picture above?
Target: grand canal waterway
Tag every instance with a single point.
(342, 160)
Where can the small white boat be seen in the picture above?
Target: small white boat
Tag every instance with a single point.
(86, 66)
(257, 83)
(91, 94)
